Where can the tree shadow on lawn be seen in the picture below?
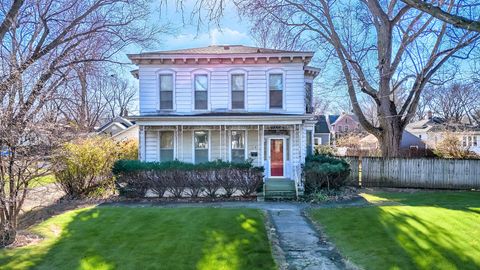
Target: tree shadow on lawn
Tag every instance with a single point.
(152, 238)
(427, 231)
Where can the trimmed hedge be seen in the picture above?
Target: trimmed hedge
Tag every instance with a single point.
(134, 178)
(323, 171)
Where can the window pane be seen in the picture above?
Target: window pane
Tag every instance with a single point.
(309, 142)
(166, 100)
(276, 82)
(238, 139)
(201, 100)
(201, 139)
(238, 82)
(238, 155)
(166, 140)
(166, 82)
(201, 155)
(238, 100)
(166, 155)
(201, 82)
(276, 99)
(308, 98)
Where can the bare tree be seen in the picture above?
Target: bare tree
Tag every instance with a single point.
(46, 41)
(385, 51)
(455, 102)
(447, 16)
(120, 97)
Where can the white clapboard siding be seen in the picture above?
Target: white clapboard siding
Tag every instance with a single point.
(219, 88)
(151, 145)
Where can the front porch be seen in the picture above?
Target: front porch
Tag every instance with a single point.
(275, 147)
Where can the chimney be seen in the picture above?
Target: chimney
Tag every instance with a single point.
(125, 113)
(429, 115)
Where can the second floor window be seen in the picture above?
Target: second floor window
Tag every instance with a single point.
(166, 92)
(275, 86)
(308, 98)
(201, 92)
(238, 91)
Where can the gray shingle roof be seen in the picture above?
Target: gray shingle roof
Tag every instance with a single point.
(224, 49)
(321, 126)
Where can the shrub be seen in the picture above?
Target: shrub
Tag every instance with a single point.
(83, 167)
(451, 147)
(328, 172)
(181, 178)
(128, 149)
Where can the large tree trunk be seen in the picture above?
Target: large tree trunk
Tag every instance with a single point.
(390, 138)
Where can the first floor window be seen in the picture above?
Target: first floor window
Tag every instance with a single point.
(309, 143)
(238, 146)
(200, 141)
(166, 91)
(166, 146)
(201, 92)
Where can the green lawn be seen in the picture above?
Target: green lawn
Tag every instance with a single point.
(423, 230)
(147, 238)
(42, 181)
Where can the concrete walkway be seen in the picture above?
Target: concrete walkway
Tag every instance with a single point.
(301, 244)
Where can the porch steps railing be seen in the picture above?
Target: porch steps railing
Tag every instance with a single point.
(280, 189)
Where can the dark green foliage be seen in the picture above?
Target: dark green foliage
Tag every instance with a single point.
(134, 178)
(322, 171)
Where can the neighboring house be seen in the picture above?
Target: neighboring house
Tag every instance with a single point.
(409, 142)
(233, 103)
(120, 128)
(344, 124)
(322, 131)
(432, 130)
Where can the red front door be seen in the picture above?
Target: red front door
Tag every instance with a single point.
(276, 157)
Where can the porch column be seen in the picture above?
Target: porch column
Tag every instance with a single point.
(141, 149)
(259, 137)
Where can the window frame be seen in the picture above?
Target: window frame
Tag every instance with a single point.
(312, 147)
(209, 144)
(276, 72)
(309, 107)
(159, 147)
(230, 88)
(173, 74)
(193, 76)
(245, 152)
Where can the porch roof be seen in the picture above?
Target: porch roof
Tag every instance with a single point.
(221, 118)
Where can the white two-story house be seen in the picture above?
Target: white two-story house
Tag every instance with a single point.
(227, 102)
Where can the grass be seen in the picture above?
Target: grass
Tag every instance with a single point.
(147, 238)
(423, 230)
(42, 181)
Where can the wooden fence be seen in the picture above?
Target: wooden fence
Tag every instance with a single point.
(415, 172)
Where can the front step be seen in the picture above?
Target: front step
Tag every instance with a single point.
(280, 189)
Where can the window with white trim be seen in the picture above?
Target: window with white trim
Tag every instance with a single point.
(308, 97)
(275, 86)
(166, 91)
(200, 141)
(238, 91)
(201, 91)
(166, 146)
(309, 143)
(238, 146)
